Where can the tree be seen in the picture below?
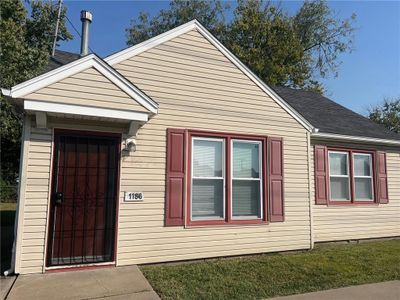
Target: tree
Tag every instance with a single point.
(209, 13)
(323, 36)
(295, 51)
(263, 37)
(387, 114)
(25, 48)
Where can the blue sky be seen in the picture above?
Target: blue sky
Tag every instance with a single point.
(367, 75)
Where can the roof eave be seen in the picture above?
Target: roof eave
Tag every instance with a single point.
(6, 92)
(357, 139)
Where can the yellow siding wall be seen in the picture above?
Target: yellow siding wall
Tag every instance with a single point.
(31, 255)
(197, 87)
(90, 88)
(332, 223)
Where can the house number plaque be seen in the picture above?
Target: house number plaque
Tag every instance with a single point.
(134, 196)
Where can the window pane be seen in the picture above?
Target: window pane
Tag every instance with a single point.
(207, 158)
(362, 165)
(207, 198)
(246, 160)
(246, 198)
(339, 188)
(363, 188)
(338, 163)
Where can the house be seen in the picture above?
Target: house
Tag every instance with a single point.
(174, 150)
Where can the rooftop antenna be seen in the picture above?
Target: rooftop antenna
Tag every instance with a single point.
(56, 32)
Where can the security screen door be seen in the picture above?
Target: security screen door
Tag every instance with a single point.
(84, 198)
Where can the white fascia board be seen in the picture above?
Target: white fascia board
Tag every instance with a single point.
(261, 84)
(126, 86)
(50, 77)
(150, 43)
(358, 139)
(6, 92)
(157, 40)
(91, 60)
(82, 110)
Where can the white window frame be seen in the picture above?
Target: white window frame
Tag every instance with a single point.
(371, 177)
(209, 178)
(260, 179)
(340, 176)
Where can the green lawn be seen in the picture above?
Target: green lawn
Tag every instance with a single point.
(263, 276)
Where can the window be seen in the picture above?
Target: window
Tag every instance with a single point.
(363, 176)
(227, 180)
(246, 179)
(208, 179)
(351, 176)
(339, 176)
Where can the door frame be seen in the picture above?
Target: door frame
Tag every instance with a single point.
(50, 214)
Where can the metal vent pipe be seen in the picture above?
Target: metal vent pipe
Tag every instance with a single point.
(86, 18)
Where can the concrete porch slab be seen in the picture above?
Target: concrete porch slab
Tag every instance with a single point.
(5, 285)
(115, 283)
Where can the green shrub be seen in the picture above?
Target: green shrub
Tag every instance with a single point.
(8, 191)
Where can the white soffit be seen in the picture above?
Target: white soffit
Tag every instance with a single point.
(91, 60)
(52, 107)
(162, 38)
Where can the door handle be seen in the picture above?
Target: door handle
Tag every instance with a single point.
(59, 197)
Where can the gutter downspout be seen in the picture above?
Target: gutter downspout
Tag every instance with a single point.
(309, 149)
(21, 192)
(12, 267)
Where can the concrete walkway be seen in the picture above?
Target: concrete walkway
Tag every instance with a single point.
(389, 290)
(5, 285)
(110, 283)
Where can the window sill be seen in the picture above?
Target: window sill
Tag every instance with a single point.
(356, 203)
(232, 223)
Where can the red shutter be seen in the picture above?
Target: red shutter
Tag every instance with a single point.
(275, 148)
(176, 153)
(382, 188)
(321, 174)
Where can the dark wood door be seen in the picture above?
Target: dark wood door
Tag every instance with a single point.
(84, 198)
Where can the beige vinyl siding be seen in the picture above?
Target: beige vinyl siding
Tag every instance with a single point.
(333, 223)
(90, 88)
(31, 255)
(32, 250)
(198, 88)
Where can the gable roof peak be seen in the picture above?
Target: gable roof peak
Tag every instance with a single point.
(89, 61)
(195, 24)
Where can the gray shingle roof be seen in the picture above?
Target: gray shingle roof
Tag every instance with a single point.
(330, 117)
(323, 113)
(60, 58)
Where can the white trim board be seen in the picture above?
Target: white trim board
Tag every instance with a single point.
(91, 60)
(33, 105)
(356, 139)
(157, 40)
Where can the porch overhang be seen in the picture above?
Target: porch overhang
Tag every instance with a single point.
(21, 90)
(33, 106)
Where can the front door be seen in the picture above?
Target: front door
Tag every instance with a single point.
(84, 198)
